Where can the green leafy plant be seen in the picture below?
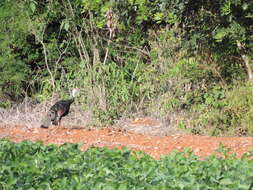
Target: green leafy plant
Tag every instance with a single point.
(28, 165)
(239, 105)
(127, 57)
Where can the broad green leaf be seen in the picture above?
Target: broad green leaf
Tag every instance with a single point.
(220, 34)
(123, 186)
(33, 7)
(66, 25)
(226, 181)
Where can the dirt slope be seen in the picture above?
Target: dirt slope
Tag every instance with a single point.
(153, 145)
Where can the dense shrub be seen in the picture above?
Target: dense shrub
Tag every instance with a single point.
(150, 57)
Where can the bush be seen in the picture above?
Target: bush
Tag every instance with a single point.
(14, 70)
(240, 106)
(149, 57)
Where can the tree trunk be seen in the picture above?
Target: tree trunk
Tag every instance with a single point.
(246, 59)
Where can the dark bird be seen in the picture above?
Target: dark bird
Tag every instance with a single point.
(58, 110)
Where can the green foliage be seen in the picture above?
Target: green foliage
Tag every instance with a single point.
(161, 56)
(13, 69)
(196, 84)
(30, 165)
(225, 112)
(99, 8)
(240, 107)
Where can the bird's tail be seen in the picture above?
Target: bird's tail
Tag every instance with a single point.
(55, 122)
(44, 126)
(46, 122)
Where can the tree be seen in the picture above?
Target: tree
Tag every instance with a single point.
(224, 26)
(14, 49)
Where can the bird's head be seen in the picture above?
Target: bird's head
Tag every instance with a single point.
(74, 92)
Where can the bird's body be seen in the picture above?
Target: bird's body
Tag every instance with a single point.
(57, 111)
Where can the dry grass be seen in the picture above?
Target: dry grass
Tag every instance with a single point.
(30, 114)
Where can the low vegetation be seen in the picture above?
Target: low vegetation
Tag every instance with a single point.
(184, 58)
(31, 166)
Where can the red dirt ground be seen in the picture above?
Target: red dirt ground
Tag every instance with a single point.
(153, 145)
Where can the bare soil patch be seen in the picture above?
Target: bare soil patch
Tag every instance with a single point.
(119, 137)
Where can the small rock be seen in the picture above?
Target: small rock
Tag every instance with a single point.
(197, 150)
(68, 133)
(179, 147)
(35, 131)
(176, 137)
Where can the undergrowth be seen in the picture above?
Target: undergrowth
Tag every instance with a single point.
(148, 58)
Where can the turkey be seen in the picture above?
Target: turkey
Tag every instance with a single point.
(58, 110)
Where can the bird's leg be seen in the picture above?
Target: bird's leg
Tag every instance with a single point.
(58, 124)
(54, 130)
